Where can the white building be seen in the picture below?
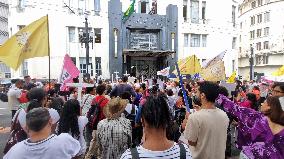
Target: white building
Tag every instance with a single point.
(203, 30)
(208, 29)
(262, 27)
(4, 34)
(66, 20)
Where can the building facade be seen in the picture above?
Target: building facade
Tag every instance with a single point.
(262, 36)
(4, 35)
(66, 25)
(207, 30)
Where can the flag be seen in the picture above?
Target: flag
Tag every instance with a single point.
(69, 71)
(279, 72)
(232, 78)
(129, 11)
(214, 72)
(164, 72)
(189, 66)
(217, 58)
(31, 41)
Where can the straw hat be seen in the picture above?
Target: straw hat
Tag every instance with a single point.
(115, 107)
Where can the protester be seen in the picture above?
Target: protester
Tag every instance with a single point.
(114, 132)
(73, 123)
(206, 129)
(122, 87)
(14, 95)
(101, 101)
(87, 99)
(28, 84)
(260, 134)
(42, 143)
(155, 120)
(249, 102)
(278, 89)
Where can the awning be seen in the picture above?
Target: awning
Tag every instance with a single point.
(147, 53)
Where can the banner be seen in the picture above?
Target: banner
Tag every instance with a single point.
(189, 66)
(214, 72)
(69, 71)
(29, 42)
(232, 78)
(164, 72)
(279, 72)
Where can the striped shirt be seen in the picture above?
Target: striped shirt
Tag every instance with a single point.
(114, 137)
(172, 153)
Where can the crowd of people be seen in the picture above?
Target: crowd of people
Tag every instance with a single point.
(137, 120)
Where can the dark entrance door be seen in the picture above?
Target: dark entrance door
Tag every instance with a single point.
(144, 66)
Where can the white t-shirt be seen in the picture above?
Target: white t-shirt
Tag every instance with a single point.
(172, 153)
(22, 116)
(62, 146)
(82, 122)
(13, 94)
(209, 128)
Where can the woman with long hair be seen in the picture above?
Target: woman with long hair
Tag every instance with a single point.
(155, 121)
(260, 134)
(73, 123)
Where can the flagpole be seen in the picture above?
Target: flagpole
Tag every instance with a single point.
(49, 84)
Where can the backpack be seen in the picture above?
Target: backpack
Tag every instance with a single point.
(17, 135)
(93, 114)
(131, 116)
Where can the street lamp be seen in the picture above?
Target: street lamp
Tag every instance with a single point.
(251, 63)
(86, 37)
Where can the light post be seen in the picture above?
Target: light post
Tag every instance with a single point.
(86, 38)
(251, 63)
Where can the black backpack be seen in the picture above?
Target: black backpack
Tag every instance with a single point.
(93, 114)
(131, 116)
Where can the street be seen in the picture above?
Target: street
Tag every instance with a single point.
(5, 122)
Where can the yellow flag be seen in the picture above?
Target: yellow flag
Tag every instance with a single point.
(232, 78)
(31, 41)
(279, 72)
(214, 72)
(189, 66)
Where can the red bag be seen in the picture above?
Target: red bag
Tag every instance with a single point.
(23, 98)
(17, 134)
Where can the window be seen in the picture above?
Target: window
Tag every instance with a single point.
(234, 15)
(204, 40)
(194, 7)
(258, 60)
(240, 38)
(265, 59)
(259, 18)
(25, 71)
(252, 34)
(203, 9)
(259, 2)
(98, 35)
(185, 10)
(241, 25)
(253, 4)
(258, 46)
(240, 49)
(203, 60)
(7, 75)
(266, 31)
(234, 43)
(266, 17)
(266, 45)
(71, 33)
(98, 66)
(195, 40)
(21, 4)
(252, 20)
(83, 66)
(233, 65)
(186, 40)
(258, 33)
(97, 7)
(144, 5)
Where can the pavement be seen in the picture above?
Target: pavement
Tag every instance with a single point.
(5, 123)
